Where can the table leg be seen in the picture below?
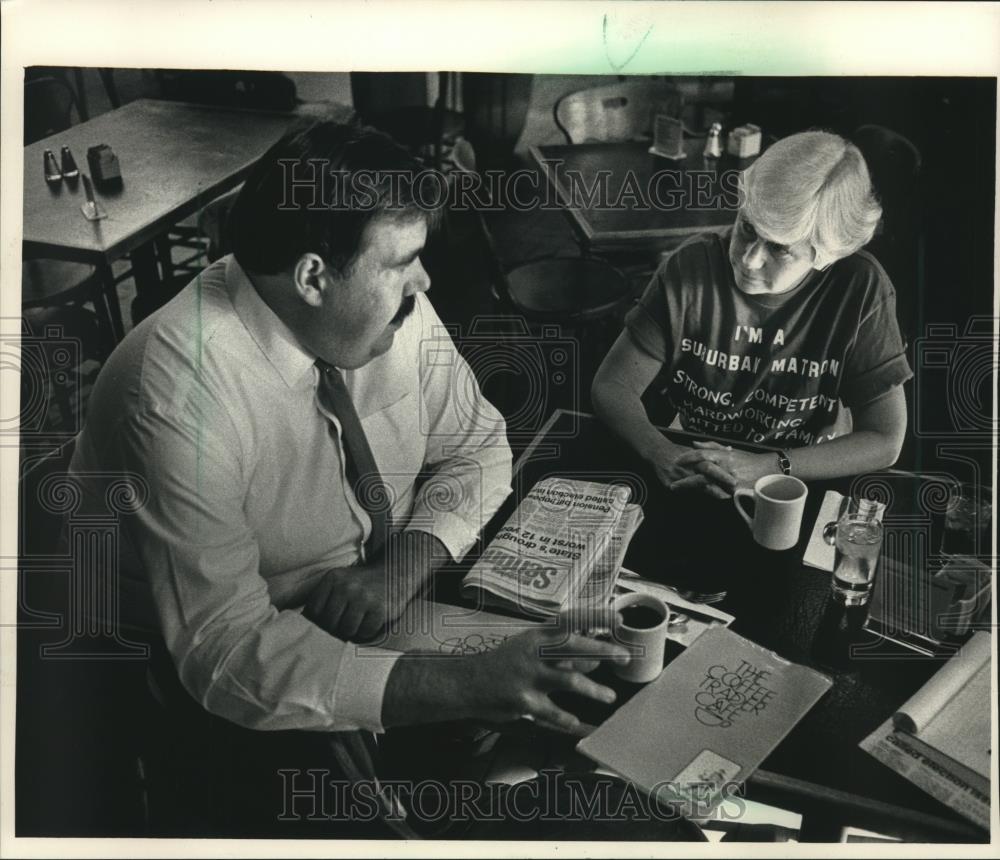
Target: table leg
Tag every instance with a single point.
(148, 283)
(165, 254)
(109, 295)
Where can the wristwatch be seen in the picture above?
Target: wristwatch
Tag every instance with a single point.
(784, 463)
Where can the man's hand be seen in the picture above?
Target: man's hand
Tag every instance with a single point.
(352, 603)
(680, 468)
(356, 603)
(522, 672)
(511, 682)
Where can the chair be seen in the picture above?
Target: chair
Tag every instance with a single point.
(617, 112)
(49, 103)
(76, 769)
(396, 104)
(584, 296)
(213, 223)
(56, 292)
(256, 90)
(894, 164)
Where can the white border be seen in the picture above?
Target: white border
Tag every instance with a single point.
(540, 37)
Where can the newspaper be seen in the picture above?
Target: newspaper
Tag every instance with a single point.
(893, 749)
(564, 544)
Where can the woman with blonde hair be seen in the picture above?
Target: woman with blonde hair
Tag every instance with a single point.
(780, 333)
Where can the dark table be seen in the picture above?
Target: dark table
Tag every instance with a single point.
(692, 541)
(174, 158)
(672, 199)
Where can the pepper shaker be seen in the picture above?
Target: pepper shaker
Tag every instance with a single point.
(52, 174)
(69, 168)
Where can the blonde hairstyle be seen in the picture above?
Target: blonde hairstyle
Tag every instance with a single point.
(813, 186)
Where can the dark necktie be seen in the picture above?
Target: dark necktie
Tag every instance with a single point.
(355, 750)
(359, 463)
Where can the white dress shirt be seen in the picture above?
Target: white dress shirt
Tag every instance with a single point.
(211, 405)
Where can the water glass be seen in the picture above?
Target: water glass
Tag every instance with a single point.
(858, 542)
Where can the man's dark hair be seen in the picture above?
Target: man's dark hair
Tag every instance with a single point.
(286, 208)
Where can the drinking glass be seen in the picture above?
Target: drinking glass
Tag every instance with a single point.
(858, 541)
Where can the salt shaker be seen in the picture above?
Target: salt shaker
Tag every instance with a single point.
(713, 145)
(52, 174)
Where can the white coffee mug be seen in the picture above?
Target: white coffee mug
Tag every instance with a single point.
(778, 504)
(645, 639)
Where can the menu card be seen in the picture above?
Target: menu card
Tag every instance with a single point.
(698, 731)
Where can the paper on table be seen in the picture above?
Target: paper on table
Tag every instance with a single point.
(895, 751)
(818, 552)
(444, 629)
(698, 731)
(921, 708)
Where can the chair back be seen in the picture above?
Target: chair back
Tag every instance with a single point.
(38, 524)
(257, 90)
(48, 107)
(894, 165)
(617, 112)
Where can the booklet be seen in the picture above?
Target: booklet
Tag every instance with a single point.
(697, 732)
(563, 545)
(940, 738)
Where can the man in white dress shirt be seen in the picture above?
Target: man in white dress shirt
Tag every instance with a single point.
(215, 401)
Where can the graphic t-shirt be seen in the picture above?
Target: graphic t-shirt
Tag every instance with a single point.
(769, 368)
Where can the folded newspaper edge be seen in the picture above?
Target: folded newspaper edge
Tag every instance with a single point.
(563, 546)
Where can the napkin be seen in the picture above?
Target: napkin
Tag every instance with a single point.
(818, 552)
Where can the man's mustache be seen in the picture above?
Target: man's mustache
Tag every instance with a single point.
(405, 309)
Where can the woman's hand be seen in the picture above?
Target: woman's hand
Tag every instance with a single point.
(728, 468)
(681, 468)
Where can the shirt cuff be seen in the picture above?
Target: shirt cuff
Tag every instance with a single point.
(360, 687)
(456, 534)
(876, 382)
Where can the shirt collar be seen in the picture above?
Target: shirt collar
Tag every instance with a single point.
(293, 364)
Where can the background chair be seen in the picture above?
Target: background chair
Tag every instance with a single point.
(894, 163)
(79, 298)
(579, 297)
(76, 771)
(617, 112)
(396, 103)
(49, 105)
(620, 112)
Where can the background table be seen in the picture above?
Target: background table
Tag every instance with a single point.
(698, 194)
(174, 158)
(692, 541)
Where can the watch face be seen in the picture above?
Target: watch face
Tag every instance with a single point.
(784, 463)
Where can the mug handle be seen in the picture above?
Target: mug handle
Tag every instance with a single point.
(738, 493)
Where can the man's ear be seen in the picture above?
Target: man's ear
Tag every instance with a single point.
(311, 277)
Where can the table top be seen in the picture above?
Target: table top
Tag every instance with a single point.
(672, 199)
(174, 158)
(777, 602)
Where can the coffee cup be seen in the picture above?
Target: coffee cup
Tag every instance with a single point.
(778, 504)
(642, 629)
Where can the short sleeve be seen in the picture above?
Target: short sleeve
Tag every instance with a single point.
(648, 321)
(877, 361)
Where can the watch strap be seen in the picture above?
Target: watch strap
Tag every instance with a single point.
(784, 463)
